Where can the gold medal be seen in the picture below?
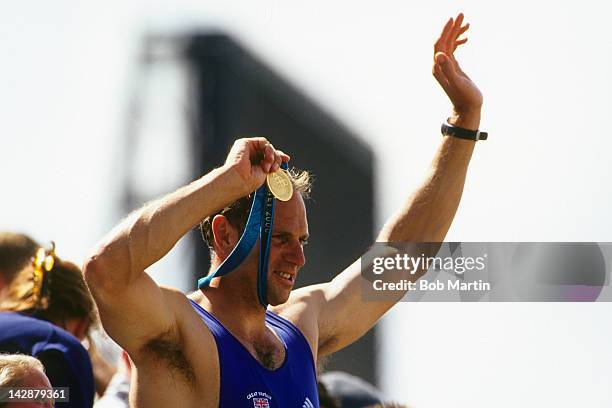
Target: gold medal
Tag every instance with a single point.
(280, 185)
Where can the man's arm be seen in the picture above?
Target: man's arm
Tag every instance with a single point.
(343, 316)
(133, 309)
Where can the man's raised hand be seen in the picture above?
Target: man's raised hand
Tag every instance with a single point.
(463, 93)
(252, 159)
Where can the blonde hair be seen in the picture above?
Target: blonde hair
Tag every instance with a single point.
(15, 367)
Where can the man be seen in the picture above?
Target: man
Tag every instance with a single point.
(19, 371)
(220, 347)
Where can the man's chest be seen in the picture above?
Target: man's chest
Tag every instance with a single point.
(270, 353)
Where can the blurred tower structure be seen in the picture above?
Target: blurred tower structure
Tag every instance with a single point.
(193, 96)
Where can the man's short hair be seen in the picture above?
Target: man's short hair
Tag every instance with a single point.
(237, 212)
(14, 368)
(16, 251)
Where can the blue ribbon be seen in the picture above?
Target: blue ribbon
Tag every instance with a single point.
(259, 225)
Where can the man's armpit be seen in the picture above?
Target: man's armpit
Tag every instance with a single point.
(327, 346)
(166, 349)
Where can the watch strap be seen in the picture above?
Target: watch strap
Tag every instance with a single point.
(461, 133)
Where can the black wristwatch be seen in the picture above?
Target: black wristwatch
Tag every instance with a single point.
(461, 133)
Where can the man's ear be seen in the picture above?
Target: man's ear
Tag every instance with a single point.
(226, 236)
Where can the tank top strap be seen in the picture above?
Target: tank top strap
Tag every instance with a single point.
(291, 335)
(211, 321)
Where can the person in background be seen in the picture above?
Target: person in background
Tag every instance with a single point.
(325, 399)
(350, 391)
(16, 251)
(117, 392)
(46, 312)
(21, 371)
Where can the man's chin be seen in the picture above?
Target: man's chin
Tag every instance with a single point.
(276, 299)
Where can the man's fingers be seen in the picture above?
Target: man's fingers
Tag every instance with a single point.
(262, 153)
(459, 42)
(277, 161)
(255, 146)
(258, 142)
(272, 158)
(456, 39)
(454, 32)
(463, 29)
(441, 78)
(451, 71)
(446, 66)
(443, 39)
(448, 40)
(285, 157)
(445, 62)
(269, 158)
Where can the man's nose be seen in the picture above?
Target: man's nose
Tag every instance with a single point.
(295, 254)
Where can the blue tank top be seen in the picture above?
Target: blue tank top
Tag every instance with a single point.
(246, 383)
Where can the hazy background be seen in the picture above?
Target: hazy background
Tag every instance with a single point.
(544, 67)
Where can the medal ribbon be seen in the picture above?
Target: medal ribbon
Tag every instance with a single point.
(259, 225)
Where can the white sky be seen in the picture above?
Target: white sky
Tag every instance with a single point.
(544, 69)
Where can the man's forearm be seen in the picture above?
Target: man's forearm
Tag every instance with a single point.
(429, 212)
(149, 233)
(426, 217)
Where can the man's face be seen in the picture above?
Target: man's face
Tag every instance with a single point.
(289, 234)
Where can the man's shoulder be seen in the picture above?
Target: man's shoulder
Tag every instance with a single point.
(303, 309)
(303, 301)
(180, 303)
(173, 293)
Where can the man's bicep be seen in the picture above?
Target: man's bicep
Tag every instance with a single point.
(134, 314)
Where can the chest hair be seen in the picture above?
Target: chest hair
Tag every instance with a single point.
(270, 353)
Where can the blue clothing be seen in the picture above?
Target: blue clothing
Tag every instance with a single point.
(246, 383)
(66, 361)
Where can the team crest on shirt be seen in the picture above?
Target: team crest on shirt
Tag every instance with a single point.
(260, 399)
(261, 403)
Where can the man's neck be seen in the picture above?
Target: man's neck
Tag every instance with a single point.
(238, 311)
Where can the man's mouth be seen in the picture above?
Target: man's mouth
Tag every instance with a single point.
(284, 275)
